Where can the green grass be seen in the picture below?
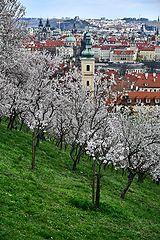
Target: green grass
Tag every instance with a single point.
(55, 203)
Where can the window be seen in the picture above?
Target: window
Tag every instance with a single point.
(87, 83)
(138, 100)
(129, 100)
(148, 100)
(157, 100)
(88, 67)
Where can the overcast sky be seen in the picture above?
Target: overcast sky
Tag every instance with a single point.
(92, 8)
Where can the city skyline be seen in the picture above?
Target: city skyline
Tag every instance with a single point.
(92, 8)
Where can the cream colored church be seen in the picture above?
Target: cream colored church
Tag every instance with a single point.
(88, 64)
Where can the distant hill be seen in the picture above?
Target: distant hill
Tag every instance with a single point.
(33, 22)
(64, 24)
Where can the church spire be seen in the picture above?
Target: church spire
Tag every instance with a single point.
(48, 24)
(157, 32)
(40, 23)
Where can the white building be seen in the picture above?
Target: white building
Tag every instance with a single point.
(64, 52)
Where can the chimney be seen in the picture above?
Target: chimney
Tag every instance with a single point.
(146, 75)
(154, 75)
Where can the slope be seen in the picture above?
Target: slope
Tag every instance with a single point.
(54, 203)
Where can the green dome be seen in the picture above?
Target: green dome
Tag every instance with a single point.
(71, 39)
(88, 52)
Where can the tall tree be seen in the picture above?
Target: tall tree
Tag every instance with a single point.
(138, 147)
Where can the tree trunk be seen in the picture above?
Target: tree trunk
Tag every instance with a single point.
(98, 190)
(93, 184)
(61, 142)
(39, 137)
(141, 178)
(75, 155)
(65, 146)
(130, 180)
(11, 121)
(34, 144)
(80, 153)
(74, 167)
(22, 123)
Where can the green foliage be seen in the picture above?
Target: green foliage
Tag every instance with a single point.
(55, 203)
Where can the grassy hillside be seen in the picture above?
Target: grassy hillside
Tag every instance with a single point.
(54, 203)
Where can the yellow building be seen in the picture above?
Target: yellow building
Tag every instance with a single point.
(88, 64)
(147, 53)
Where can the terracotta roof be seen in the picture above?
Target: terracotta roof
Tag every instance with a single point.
(96, 46)
(101, 40)
(147, 80)
(144, 95)
(45, 44)
(105, 47)
(147, 49)
(112, 71)
(121, 51)
(112, 39)
(142, 44)
(53, 43)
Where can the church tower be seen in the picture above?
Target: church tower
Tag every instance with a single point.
(88, 65)
(48, 26)
(40, 23)
(47, 30)
(40, 30)
(157, 32)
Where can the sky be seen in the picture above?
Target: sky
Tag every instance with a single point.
(110, 9)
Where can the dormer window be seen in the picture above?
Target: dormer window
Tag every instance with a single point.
(157, 100)
(148, 100)
(138, 100)
(129, 100)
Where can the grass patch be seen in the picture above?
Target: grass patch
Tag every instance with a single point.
(55, 203)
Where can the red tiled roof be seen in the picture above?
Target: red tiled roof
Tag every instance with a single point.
(105, 47)
(145, 46)
(112, 71)
(96, 46)
(53, 43)
(121, 51)
(134, 96)
(112, 39)
(101, 40)
(144, 95)
(45, 44)
(148, 80)
(147, 49)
